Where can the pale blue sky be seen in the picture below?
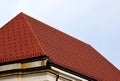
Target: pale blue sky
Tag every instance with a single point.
(96, 22)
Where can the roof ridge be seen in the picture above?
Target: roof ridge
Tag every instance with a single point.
(28, 23)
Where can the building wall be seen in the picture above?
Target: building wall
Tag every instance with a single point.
(30, 77)
(46, 76)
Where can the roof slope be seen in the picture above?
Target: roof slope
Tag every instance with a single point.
(17, 41)
(26, 37)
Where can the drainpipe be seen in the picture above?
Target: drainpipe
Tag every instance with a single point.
(57, 77)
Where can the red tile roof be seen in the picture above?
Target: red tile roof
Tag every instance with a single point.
(25, 37)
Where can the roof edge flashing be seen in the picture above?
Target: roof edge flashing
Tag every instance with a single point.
(42, 57)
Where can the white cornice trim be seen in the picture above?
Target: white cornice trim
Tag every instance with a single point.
(62, 73)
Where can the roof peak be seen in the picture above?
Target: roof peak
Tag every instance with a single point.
(21, 13)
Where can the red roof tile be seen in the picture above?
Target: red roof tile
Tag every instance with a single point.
(17, 40)
(25, 37)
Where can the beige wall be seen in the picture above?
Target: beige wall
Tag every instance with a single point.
(30, 77)
(10, 78)
(46, 76)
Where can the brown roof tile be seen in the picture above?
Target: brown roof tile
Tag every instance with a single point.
(25, 37)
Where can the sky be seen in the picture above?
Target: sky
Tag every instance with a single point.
(96, 22)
